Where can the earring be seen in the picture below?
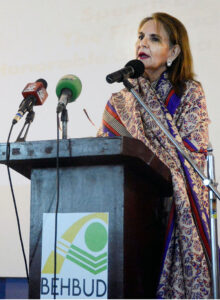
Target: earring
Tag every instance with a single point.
(169, 62)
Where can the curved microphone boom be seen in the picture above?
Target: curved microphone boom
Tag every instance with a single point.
(68, 90)
(133, 69)
(34, 94)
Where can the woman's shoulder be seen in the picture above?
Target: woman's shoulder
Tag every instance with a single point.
(193, 92)
(124, 93)
(193, 86)
(120, 93)
(119, 97)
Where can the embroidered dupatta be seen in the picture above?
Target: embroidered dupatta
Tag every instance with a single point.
(185, 267)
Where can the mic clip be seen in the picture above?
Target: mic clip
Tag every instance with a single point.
(64, 100)
(29, 119)
(26, 105)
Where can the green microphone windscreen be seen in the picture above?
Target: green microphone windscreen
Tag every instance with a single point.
(70, 82)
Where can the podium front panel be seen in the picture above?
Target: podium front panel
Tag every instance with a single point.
(130, 202)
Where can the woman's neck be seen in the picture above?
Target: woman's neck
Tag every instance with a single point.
(154, 75)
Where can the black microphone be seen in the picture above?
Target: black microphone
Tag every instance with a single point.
(133, 69)
(34, 94)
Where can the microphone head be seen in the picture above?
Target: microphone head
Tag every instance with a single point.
(43, 81)
(36, 89)
(137, 66)
(72, 83)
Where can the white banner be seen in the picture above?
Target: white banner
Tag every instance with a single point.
(82, 256)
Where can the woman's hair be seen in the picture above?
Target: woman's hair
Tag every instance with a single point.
(182, 67)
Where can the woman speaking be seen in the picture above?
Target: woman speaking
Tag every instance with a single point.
(168, 88)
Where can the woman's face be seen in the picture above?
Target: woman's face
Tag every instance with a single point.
(153, 49)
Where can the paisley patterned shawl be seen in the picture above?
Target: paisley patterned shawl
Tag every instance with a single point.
(186, 262)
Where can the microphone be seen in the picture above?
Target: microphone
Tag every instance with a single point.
(133, 69)
(68, 89)
(34, 94)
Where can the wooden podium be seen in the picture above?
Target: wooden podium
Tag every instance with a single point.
(115, 175)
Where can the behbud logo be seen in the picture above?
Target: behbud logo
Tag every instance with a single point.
(82, 256)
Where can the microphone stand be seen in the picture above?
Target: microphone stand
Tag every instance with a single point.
(207, 181)
(29, 119)
(213, 224)
(64, 120)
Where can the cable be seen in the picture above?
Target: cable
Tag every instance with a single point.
(14, 201)
(57, 204)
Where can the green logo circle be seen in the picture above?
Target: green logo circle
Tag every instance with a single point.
(96, 237)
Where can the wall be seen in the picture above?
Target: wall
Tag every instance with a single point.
(51, 38)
